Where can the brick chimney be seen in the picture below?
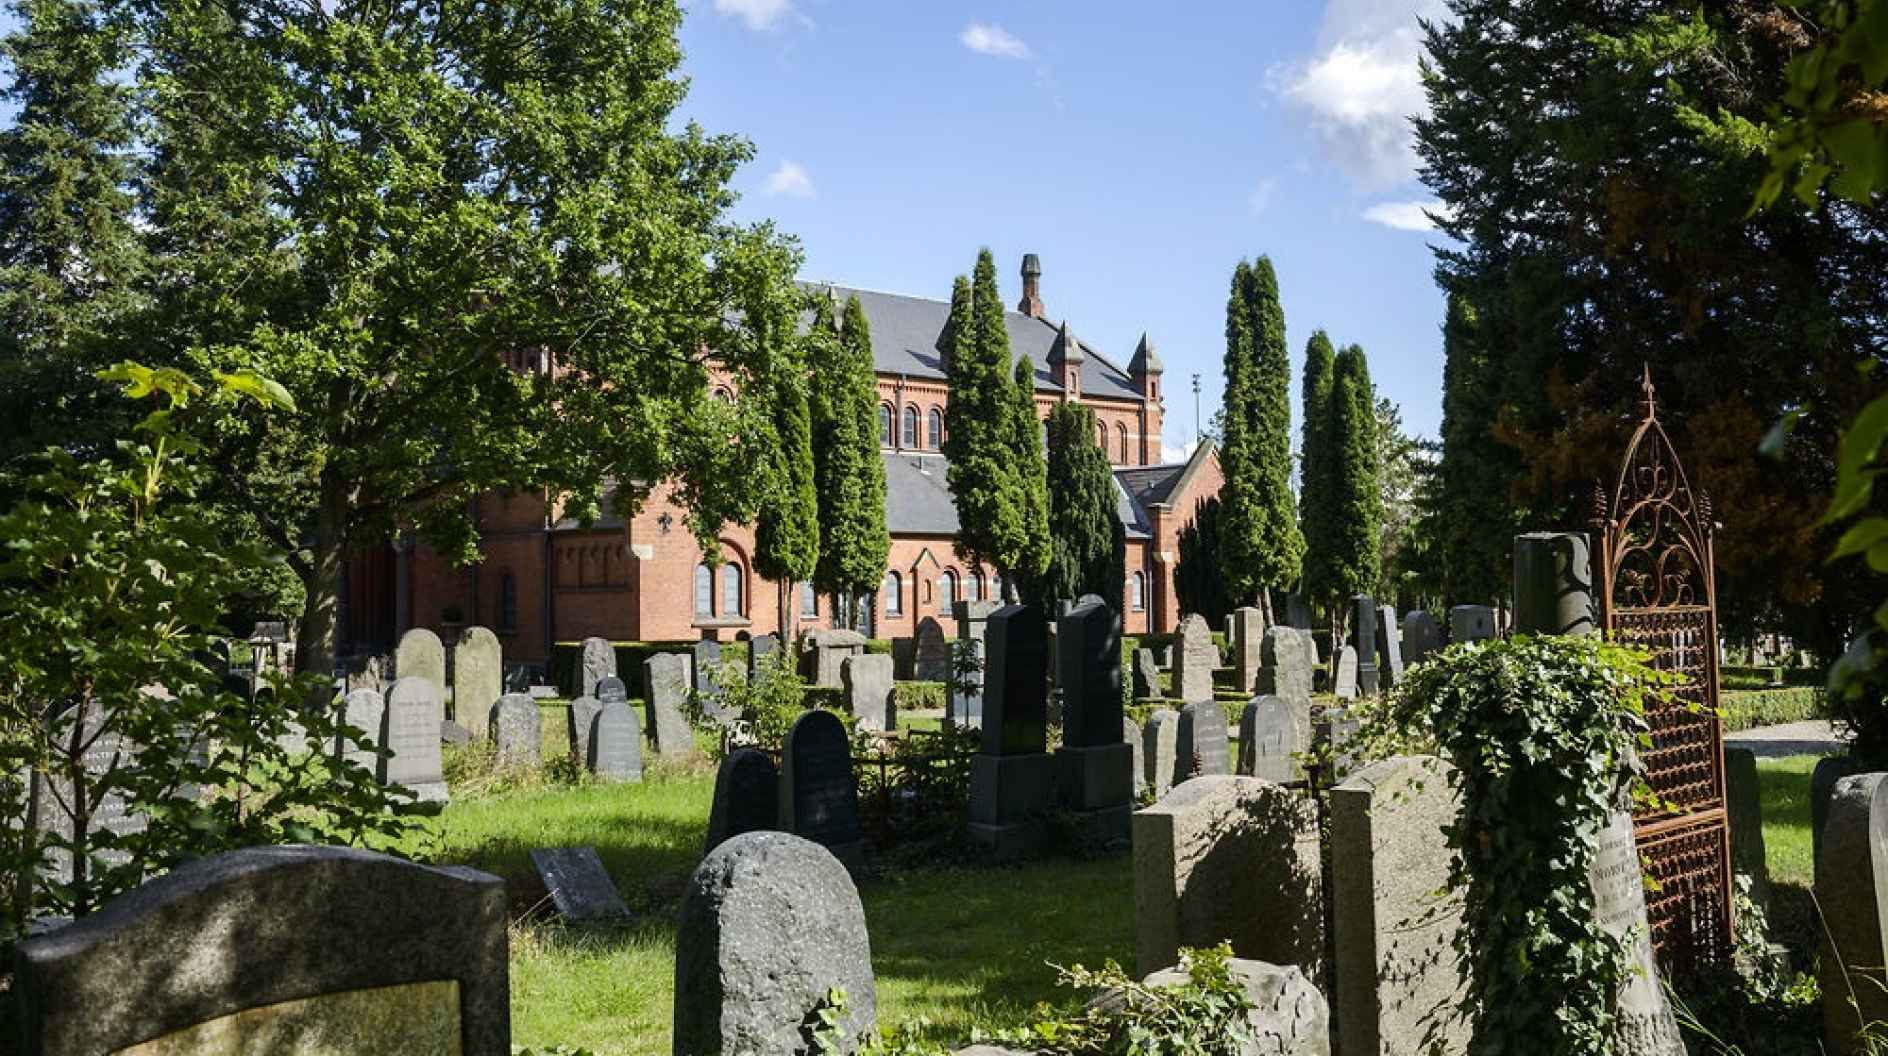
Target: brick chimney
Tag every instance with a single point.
(1031, 303)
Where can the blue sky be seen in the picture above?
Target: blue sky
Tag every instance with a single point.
(1141, 150)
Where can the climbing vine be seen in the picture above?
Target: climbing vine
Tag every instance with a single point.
(1543, 733)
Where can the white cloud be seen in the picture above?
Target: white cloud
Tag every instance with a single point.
(789, 180)
(757, 14)
(1406, 216)
(1362, 86)
(992, 40)
(1173, 454)
(1261, 197)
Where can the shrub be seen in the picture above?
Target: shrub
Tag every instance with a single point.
(918, 696)
(1748, 709)
(1206, 1015)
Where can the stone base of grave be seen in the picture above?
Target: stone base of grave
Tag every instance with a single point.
(430, 792)
(1011, 798)
(1098, 778)
(1102, 833)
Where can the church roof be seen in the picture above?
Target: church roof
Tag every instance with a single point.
(918, 500)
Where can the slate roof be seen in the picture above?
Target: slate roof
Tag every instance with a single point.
(1150, 485)
(905, 333)
(919, 502)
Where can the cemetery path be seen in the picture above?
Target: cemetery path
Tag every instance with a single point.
(1815, 737)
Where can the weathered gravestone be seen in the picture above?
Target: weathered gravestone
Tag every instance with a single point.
(769, 926)
(1363, 635)
(1160, 740)
(1273, 731)
(706, 662)
(1233, 859)
(421, 655)
(517, 730)
(614, 752)
(1646, 1026)
(1201, 746)
(578, 722)
(666, 675)
(1146, 675)
(932, 662)
(1094, 766)
(1194, 658)
(245, 952)
(596, 663)
(1829, 771)
(578, 884)
(1012, 779)
(1289, 1017)
(409, 739)
(52, 795)
(1131, 734)
(1395, 919)
(478, 668)
(1421, 636)
(1346, 688)
(819, 797)
(762, 653)
(365, 711)
(1248, 629)
(868, 683)
(1471, 623)
(747, 796)
(1852, 891)
(827, 650)
(1743, 802)
(1289, 658)
(612, 690)
(1335, 727)
(1553, 584)
(1389, 647)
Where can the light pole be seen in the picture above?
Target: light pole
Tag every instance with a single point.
(1196, 408)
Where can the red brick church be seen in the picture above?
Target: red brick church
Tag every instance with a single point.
(545, 578)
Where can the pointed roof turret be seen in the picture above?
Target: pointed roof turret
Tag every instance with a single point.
(1146, 360)
(1067, 349)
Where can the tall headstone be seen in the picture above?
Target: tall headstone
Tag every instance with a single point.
(1194, 659)
(1160, 741)
(615, 744)
(1232, 859)
(706, 657)
(596, 663)
(1553, 584)
(1852, 890)
(1201, 744)
(1395, 918)
(868, 682)
(579, 720)
(1094, 766)
(973, 620)
(1289, 660)
(1336, 727)
(932, 662)
(478, 668)
(1346, 688)
(1273, 731)
(517, 730)
(1363, 635)
(1471, 623)
(819, 798)
(761, 658)
(1389, 647)
(1743, 795)
(1131, 733)
(52, 795)
(1646, 1024)
(666, 675)
(418, 969)
(420, 655)
(747, 796)
(1012, 779)
(365, 710)
(770, 925)
(409, 739)
(1421, 636)
(1146, 675)
(1248, 630)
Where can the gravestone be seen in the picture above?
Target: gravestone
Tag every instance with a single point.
(932, 662)
(1289, 658)
(578, 884)
(964, 705)
(1131, 734)
(819, 798)
(770, 924)
(1248, 630)
(1743, 802)
(1828, 772)
(1194, 659)
(1012, 778)
(1346, 688)
(614, 752)
(366, 711)
(828, 650)
(1363, 635)
(578, 722)
(409, 737)
(1553, 584)
(1852, 890)
(747, 796)
(107, 749)
(1646, 1025)
(1335, 727)
(868, 682)
(612, 690)
(1272, 732)
(1200, 745)
(596, 663)
(706, 663)
(1389, 647)
(1471, 623)
(478, 667)
(666, 675)
(1160, 740)
(1395, 919)
(517, 730)
(245, 952)
(973, 620)
(1421, 636)
(420, 655)
(1146, 675)
(761, 650)
(1094, 765)
(1232, 859)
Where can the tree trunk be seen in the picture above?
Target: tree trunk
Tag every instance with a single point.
(315, 642)
(786, 610)
(1265, 606)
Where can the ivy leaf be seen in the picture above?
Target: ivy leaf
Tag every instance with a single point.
(266, 391)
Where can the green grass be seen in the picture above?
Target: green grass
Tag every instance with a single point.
(1786, 840)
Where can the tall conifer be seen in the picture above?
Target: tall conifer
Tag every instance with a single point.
(854, 545)
(787, 530)
(994, 507)
(1084, 519)
(1260, 543)
(1356, 501)
(1315, 467)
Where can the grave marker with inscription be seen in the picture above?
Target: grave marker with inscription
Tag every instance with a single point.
(1094, 766)
(932, 662)
(819, 797)
(410, 739)
(1194, 659)
(747, 796)
(614, 751)
(868, 685)
(578, 884)
(666, 675)
(1201, 747)
(478, 665)
(420, 654)
(1272, 732)
(1012, 779)
(596, 663)
(517, 730)
(1421, 636)
(1248, 630)
(1646, 1025)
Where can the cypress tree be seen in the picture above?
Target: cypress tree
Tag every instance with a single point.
(1084, 518)
(1315, 467)
(980, 444)
(1196, 578)
(1260, 543)
(787, 533)
(1472, 479)
(1030, 563)
(1356, 502)
(853, 543)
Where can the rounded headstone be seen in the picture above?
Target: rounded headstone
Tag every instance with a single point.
(517, 729)
(747, 796)
(596, 662)
(420, 654)
(477, 678)
(615, 744)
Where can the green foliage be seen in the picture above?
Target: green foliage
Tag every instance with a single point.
(1747, 709)
(1858, 680)
(1029, 566)
(1084, 525)
(764, 708)
(1543, 733)
(1204, 1016)
(110, 590)
(1833, 126)
(853, 544)
(918, 696)
(1316, 469)
(1260, 544)
(1197, 580)
(787, 526)
(1356, 485)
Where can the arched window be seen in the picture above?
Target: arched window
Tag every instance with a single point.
(704, 591)
(894, 594)
(910, 435)
(1101, 435)
(809, 600)
(1121, 441)
(935, 422)
(508, 602)
(947, 588)
(884, 425)
(730, 589)
(1137, 593)
(976, 586)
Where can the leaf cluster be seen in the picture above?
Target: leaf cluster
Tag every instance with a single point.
(1206, 1015)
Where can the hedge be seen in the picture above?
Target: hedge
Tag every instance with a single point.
(1750, 708)
(914, 696)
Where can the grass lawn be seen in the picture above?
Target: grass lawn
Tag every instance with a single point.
(1786, 842)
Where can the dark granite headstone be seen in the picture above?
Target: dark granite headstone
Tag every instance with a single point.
(1271, 734)
(611, 690)
(747, 796)
(1201, 747)
(760, 656)
(1363, 635)
(1094, 766)
(579, 886)
(1389, 647)
(1016, 684)
(819, 798)
(1421, 636)
(614, 749)
(577, 723)
(1471, 623)
(1553, 584)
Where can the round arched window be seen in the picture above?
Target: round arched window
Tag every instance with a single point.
(884, 425)
(704, 591)
(935, 425)
(910, 435)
